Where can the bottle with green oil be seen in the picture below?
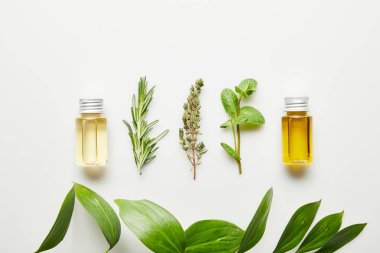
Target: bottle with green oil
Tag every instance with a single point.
(91, 137)
(297, 133)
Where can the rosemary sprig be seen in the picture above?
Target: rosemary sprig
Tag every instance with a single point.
(188, 135)
(144, 147)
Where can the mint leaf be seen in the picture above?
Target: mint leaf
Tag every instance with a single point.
(226, 124)
(250, 116)
(230, 102)
(246, 87)
(231, 151)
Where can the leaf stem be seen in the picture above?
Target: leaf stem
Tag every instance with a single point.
(194, 162)
(234, 134)
(238, 138)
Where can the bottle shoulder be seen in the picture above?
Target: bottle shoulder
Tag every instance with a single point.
(89, 116)
(297, 116)
(95, 119)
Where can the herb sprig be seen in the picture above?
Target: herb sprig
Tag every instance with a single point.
(246, 115)
(144, 147)
(190, 132)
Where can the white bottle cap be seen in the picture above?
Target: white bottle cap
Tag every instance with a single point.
(91, 105)
(296, 104)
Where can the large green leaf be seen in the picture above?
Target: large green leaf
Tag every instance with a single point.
(213, 236)
(61, 224)
(230, 102)
(250, 116)
(155, 227)
(101, 211)
(297, 227)
(246, 87)
(321, 232)
(256, 228)
(231, 151)
(343, 237)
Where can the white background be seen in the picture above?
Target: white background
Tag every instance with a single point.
(54, 52)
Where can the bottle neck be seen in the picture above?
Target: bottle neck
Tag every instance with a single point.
(91, 115)
(297, 113)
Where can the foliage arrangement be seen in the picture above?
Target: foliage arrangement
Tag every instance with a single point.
(239, 116)
(144, 146)
(161, 232)
(190, 132)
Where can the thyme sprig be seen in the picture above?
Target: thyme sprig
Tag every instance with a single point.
(188, 135)
(144, 147)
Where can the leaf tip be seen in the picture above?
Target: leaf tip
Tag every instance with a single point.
(117, 201)
(270, 191)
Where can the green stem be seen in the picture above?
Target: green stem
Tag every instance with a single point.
(238, 139)
(234, 134)
(193, 146)
(238, 148)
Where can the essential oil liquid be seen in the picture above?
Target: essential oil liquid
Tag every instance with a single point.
(91, 132)
(297, 138)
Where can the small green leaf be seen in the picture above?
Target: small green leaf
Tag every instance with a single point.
(246, 87)
(101, 211)
(241, 92)
(230, 102)
(321, 232)
(213, 236)
(155, 227)
(256, 228)
(250, 116)
(297, 227)
(226, 124)
(61, 224)
(343, 237)
(230, 151)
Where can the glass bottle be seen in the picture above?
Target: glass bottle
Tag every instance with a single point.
(91, 136)
(297, 132)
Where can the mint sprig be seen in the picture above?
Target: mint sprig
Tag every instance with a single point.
(238, 116)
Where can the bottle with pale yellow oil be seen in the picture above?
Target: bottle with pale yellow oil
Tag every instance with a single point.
(91, 137)
(297, 142)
